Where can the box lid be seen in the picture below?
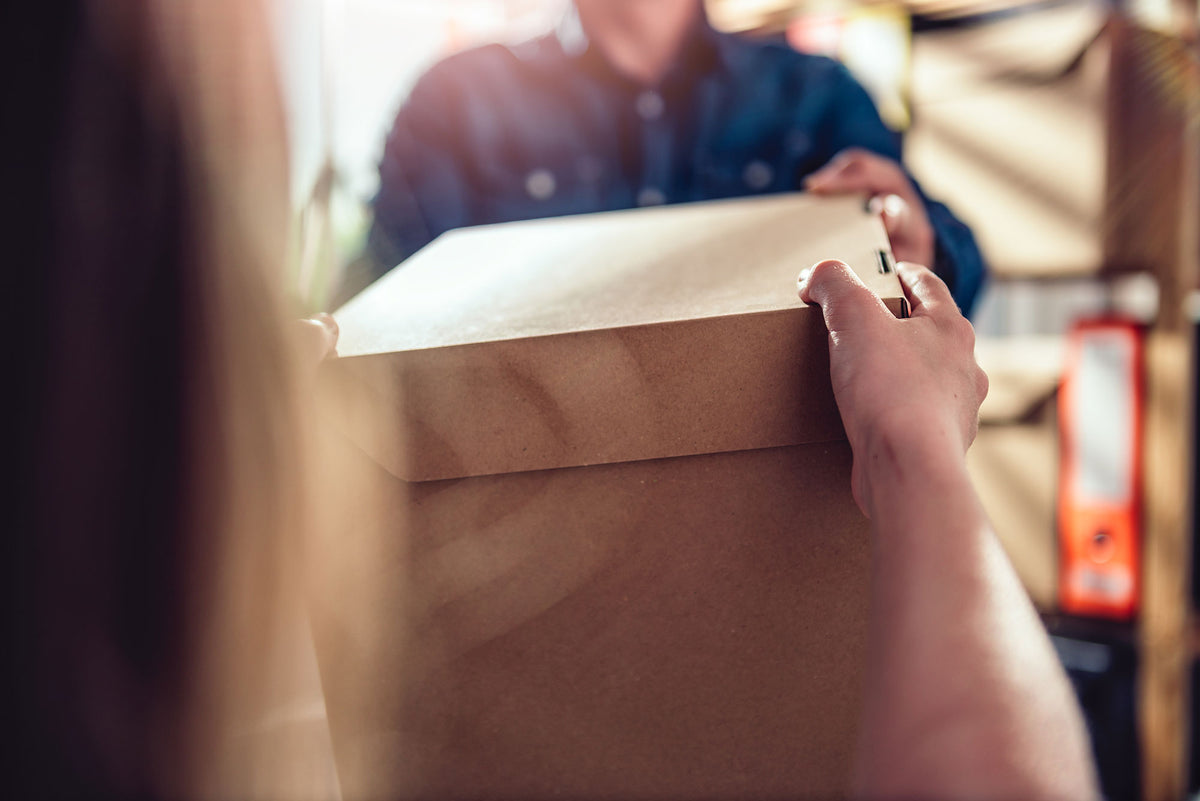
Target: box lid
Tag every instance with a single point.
(610, 337)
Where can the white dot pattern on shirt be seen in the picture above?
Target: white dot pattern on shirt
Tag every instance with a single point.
(540, 184)
(758, 174)
(798, 142)
(651, 196)
(649, 105)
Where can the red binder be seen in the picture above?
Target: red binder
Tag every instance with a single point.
(1099, 509)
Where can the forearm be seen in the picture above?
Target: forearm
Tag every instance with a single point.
(965, 698)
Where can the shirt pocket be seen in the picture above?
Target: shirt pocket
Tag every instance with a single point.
(777, 162)
(509, 192)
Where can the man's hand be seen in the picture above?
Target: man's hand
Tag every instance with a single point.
(905, 388)
(891, 194)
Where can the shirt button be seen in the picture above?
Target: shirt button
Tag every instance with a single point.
(540, 184)
(798, 142)
(651, 196)
(649, 105)
(758, 174)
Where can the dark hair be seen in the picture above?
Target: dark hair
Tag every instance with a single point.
(110, 282)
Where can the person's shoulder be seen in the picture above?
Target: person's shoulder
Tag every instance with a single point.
(487, 63)
(479, 86)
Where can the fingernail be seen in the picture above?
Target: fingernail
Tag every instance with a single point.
(326, 320)
(802, 283)
(893, 205)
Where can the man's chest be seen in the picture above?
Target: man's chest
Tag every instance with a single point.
(581, 149)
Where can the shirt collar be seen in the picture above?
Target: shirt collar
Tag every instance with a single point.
(570, 34)
(701, 51)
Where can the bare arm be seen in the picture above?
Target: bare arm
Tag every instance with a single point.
(965, 697)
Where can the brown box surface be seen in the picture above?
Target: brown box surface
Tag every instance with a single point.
(622, 558)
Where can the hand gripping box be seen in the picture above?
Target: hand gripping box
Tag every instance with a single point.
(620, 557)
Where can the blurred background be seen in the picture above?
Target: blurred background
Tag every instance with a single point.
(1064, 132)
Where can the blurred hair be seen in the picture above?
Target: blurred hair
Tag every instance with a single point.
(155, 414)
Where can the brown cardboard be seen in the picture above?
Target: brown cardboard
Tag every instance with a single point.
(641, 573)
(1009, 131)
(683, 628)
(609, 337)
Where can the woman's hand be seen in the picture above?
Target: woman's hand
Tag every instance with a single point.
(964, 696)
(908, 390)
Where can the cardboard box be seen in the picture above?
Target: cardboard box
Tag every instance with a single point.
(1009, 131)
(621, 557)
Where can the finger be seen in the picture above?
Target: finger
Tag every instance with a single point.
(846, 302)
(927, 294)
(326, 319)
(318, 338)
(846, 160)
(859, 171)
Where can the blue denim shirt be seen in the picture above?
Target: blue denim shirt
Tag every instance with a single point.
(548, 127)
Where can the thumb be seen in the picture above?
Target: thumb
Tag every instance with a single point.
(830, 176)
(846, 302)
(318, 337)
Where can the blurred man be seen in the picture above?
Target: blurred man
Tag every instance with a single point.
(639, 103)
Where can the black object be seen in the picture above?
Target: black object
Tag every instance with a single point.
(1101, 662)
